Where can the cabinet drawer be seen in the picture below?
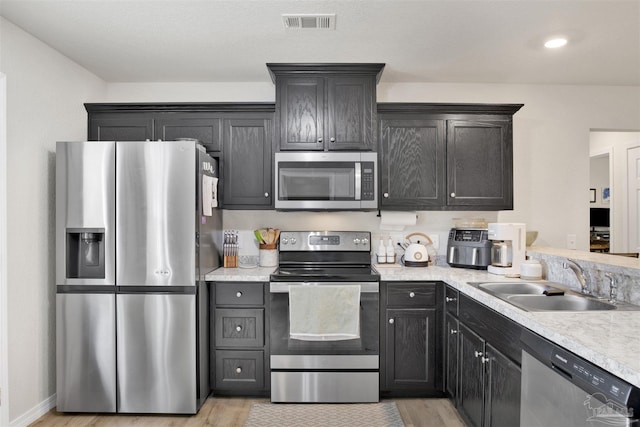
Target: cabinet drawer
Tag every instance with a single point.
(239, 327)
(451, 300)
(239, 370)
(411, 294)
(240, 293)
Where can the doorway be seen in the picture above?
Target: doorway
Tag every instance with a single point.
(620, 147)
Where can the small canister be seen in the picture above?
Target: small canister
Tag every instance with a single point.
(268, 255)
(531, 269)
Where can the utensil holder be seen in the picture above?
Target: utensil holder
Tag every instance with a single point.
(268, 255)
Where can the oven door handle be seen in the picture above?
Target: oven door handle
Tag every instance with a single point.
(283, 287)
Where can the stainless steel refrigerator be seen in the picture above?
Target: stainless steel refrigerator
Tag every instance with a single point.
(136, 231)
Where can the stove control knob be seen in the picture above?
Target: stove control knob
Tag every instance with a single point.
(356, 241)
(293, 240)
(284, 240)
(365, 241)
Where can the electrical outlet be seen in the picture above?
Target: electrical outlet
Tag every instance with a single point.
(571, 241)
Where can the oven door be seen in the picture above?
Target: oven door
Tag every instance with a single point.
(290, 353)
(345, 371)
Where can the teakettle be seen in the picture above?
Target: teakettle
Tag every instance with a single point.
(416, 255)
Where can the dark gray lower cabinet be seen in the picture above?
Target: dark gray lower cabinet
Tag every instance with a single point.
(410, 339)
(482, 364)
(451, 331)
(502, 402)
(472, 385)
(239, 354)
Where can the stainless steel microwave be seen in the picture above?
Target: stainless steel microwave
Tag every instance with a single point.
(326, 181)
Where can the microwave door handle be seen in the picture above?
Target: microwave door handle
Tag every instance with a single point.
(358, 178)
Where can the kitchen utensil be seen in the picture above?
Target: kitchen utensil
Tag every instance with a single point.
(258, 236)
(265, 235)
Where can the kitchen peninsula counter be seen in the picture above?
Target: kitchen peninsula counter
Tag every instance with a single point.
(608, 339)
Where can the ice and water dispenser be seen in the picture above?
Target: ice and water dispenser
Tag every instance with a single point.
(85, 254)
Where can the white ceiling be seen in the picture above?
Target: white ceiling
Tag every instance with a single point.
(483, 41)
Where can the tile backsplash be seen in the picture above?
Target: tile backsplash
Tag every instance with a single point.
(625, 274)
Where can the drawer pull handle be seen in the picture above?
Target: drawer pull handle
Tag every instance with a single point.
(453, 332)
(238, 328)
(238, 370)
(478, 353)
(412, 294)
(238, 294)
(391, 321)
(449, 299)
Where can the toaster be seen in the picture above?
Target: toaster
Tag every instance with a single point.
(469, 248)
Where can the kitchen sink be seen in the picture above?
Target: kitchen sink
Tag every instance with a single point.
(530, 296)
(558, 303)
(514, 288)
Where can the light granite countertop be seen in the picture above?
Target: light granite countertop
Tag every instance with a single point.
(609, 339)
(257, 274)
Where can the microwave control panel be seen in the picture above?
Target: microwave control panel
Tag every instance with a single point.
(368, 181)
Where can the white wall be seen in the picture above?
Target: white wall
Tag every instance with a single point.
(45, 96)
(551, 144)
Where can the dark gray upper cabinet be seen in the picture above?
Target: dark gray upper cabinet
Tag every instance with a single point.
(240, 135)
(247, 162)
(326, 106)
(480, 163)
(121, 127)
(205, 127)
(446, 156)
(412, 168)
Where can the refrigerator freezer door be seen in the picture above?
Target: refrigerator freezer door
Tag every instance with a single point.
(85, 352)
(155, 213)
(156, 353)
(85, 203)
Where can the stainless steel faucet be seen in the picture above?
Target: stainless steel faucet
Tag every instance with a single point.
(613, 288)
(575, 267)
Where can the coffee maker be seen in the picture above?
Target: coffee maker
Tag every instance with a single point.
(508, 248)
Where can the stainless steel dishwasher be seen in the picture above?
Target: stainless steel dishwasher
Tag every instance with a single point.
(562, 389)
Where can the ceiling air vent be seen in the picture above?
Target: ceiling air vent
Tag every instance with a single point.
(309, 21)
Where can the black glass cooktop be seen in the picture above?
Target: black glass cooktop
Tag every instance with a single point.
(325, 274)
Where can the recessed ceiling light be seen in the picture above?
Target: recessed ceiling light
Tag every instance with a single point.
(555, 43)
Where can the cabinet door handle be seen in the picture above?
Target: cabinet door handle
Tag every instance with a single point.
(453, 194)
(386, 195)
(238, 294)
(412, 294)
(238, 370)
(454, 331)
(266, 195)
(391, 321)
(449, 299)
(238, 328)
(484, 359)
(478, 353)
(332, 139)
(319, 140)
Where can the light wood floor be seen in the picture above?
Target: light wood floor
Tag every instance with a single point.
(233, 412)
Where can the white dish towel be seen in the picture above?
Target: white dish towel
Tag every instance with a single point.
(324, 312)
